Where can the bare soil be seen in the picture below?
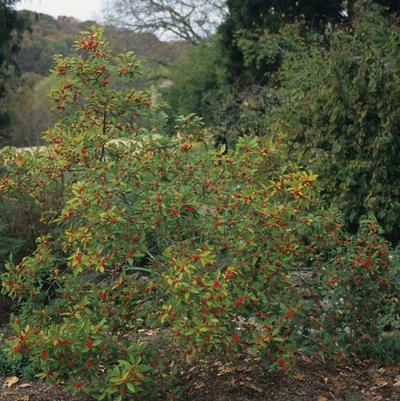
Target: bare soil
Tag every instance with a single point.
(245, 380)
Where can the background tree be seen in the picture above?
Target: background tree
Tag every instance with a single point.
(339, 108)
(190, 20)
(224, 80)
(391, 5)
(196, 80)
(248, 19)
(30, 109)
(11, 28)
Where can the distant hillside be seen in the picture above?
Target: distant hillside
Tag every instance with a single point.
(52, 36)
(29, 107)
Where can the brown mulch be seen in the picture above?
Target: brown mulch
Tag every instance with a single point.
(244, 380)
(34, 391)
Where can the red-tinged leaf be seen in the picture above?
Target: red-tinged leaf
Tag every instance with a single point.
(235, 338)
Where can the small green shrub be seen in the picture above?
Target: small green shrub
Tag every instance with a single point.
(16, 366)
(385, 351)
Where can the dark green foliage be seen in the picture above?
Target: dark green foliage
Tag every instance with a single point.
(340, 109)
(339, 99)
(196, 80)
(385, 351)
(20, 225)
(11, 28)
(198, 85)
(19, 366)
(392, 5)
(251, 18)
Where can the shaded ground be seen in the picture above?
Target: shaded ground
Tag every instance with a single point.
(33, 391)
(244, 380)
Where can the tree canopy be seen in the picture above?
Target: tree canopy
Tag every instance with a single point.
(11, 28)
(252, 17)
(249, 19)
(189, 20)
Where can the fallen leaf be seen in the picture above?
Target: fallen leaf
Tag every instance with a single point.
(337, 386)
(24, 398)
(7, 394)
(299, 376)
(392, 370)
(397, 383)
(306, 358)
(253, 387)
(10, 381)
(375, 398)
(379, 382)
(358, 382)
(225, 369)
(25, 385)
(198, 386)
(321, 398)
(245, 369)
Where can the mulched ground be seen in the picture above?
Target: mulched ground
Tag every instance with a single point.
(244, 380)
(33, 391)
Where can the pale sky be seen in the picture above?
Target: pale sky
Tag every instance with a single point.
(80, 9)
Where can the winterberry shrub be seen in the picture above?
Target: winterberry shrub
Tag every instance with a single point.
(224, 251)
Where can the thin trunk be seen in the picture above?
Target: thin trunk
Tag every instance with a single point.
(351, 9)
